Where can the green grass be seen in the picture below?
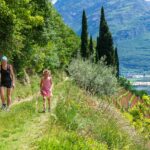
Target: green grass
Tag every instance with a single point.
(123, 95)
(13, 123)
(131, 100)
(62, 140)
(73, 124)
(23, 91)
(75, 120)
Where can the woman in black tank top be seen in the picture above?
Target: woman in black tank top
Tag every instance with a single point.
(7, 81)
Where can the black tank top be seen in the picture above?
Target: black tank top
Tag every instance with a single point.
(5, 75)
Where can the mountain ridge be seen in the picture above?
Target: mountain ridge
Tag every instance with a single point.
(120, 15)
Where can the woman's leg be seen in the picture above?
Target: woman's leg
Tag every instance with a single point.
(9, 96)
(2, 91)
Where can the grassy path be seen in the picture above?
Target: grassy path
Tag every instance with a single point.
(35, 130)
(24, 125)
(28, 132)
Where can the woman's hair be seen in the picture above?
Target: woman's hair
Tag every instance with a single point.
(46, 70)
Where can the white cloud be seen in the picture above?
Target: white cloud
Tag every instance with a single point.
(53, 1)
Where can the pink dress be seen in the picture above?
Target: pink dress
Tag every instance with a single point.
(46, 87)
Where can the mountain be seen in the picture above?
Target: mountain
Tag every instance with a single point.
(127, 18)
(129, 22)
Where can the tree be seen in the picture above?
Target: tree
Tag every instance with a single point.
(117, 62)
(91, 48)
(84, 36)
(33, 36)
(105, 41)
(6, 26)
(97, 57)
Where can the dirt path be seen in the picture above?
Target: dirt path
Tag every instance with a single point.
(36, 95)
(34, 129)
(30, 98)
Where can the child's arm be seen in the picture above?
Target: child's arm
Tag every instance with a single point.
(51, 85)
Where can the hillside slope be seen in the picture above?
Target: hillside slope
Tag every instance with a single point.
(77, 121)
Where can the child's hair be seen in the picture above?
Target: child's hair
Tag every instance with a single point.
(46, 70)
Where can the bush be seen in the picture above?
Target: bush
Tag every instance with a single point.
(146, 99)
(96, 78)
(140, 93)
(139, 119)
(125, 83)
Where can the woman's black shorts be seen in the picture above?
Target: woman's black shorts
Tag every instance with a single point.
(7, 84)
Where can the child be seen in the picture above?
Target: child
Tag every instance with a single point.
(46, 88)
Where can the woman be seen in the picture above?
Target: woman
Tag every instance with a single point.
(7, 81)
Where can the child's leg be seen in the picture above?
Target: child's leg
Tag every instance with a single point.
(44, 103)
(49, 103)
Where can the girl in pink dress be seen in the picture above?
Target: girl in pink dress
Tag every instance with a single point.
(46, 88)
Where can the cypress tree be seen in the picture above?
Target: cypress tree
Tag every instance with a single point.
(97, 57)
(105, 44)
(117, 62)
(91, 48)
(84, 36)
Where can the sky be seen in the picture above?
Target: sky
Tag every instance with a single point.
(54, 1)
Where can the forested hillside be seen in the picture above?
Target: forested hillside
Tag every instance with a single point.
(33, 36)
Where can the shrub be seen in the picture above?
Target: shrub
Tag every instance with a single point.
(146, 99)
(96, 78)
(140, 93)
(138, 113)
(125, 83)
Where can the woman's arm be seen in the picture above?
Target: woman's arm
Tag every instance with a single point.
(12, 75)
